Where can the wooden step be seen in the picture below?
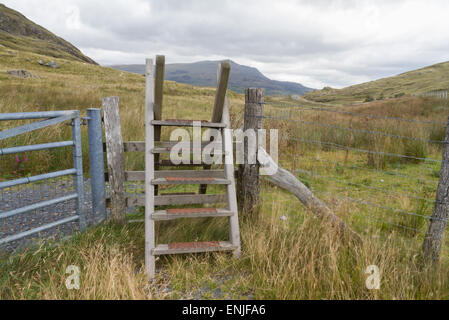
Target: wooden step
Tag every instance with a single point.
(187, 123)
(176, 199)
(191, 180)
(192, 247)
(171, 214)
(140, 175)
(168, 163)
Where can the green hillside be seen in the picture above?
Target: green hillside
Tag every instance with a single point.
(19, 33)
(430, 78)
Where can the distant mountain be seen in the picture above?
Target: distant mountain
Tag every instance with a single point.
(204, 73)
(434, 77)
(19, 33)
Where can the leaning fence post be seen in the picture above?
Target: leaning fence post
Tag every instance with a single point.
(435, 233)
(96, 161)
(115, 158)
(248, 175)
(78, 161)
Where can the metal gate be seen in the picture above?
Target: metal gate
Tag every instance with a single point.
(46, 119)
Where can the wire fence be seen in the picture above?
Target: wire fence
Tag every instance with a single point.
(378, 171)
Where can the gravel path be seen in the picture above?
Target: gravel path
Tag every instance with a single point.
(20, 196)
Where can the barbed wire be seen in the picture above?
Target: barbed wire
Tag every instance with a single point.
(364, 186)
(390, 173)
(339, 146)
(355, 130)
(384, 201)
(367, 115)
(367, 203)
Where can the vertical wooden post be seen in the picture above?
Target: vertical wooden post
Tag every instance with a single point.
(149, 170)
(248, 186)
(223, 71)
(115, 158)
(222, 86)
(234, 230)
(435, 233)
(158, 95)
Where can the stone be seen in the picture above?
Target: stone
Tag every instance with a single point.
(21, 74)
(50, 64)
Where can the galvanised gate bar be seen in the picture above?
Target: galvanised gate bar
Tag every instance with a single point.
(46, 119)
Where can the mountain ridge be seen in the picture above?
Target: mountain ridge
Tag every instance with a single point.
(203, 73)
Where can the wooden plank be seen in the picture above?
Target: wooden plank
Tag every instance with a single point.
(168, 150)
(158, 90)
(191, 213)
(140, 175)
(248, 177)
(158, 95)
(135, 175)
(194, 180)
(115, 157)
(134, 146)
(186, 123)
(190, 173)
(164, 200)
(222, 86)
(150, 266)
(223, 72)
(168, 163)
(171, 144)
(130, 146)
(193, 247)
(139, 146)
(133, 200)
(234, 230)
(438, 224)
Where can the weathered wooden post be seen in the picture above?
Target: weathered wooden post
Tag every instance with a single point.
(248, 186)
(438, 223)
(115, 158)
(223, 71)
(158, 97)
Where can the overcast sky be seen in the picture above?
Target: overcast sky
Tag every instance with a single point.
(317, 43)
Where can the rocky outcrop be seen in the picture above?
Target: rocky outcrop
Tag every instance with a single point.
(50, 64)
(20, 73)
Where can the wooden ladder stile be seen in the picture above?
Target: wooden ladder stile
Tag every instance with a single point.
(154, 176)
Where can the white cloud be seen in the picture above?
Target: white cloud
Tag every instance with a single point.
(317, 43)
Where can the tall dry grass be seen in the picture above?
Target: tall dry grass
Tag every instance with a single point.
(281, 259)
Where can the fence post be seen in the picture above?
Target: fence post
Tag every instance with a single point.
(248, 186)
(115, 158)
(96, 161)
(78, 161)
(435, 233)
